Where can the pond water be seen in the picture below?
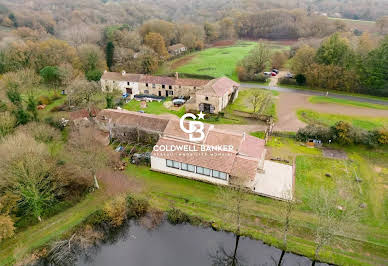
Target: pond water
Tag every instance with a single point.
(185, 245)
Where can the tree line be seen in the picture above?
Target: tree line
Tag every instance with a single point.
(340, 63)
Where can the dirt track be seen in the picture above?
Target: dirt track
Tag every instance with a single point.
(289, 102)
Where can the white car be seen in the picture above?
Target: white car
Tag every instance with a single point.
(268, 73)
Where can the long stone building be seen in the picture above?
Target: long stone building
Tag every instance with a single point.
(210, 96)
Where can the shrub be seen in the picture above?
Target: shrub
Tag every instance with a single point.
(7, 228)
(300, 79)
(3, 106)
(54, 122)
(287, 81)
(343, 132)
(94, 75)
(42, 132)
(116, 210)
(260, 77)
(176, 216)
(314, 132)
(59, 108)
(7, 123)
(44, 100)
(136, 207)
(382, 136)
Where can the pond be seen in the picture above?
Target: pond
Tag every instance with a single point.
(185, 244)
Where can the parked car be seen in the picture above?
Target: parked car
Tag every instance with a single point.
(275, 70)
(289, 75)
(267, 73)
(273, 74)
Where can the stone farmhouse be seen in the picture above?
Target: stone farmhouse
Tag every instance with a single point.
(210, 96)
(176, 49)
(243, 162)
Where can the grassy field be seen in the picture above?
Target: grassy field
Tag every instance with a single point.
(334, 91)
(216, 61)
(324, 99)
(243, 102)
(368, 123)
(260, 215)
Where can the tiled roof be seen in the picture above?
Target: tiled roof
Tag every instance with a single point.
(176, 47)
(134, 119)
(244, 168)
(220, 161)
(153, 79)
(173, 130)
(241, 162)
(218, 87)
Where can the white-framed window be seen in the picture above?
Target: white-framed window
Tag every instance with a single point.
(170, 92)
(206, 171)
(200, 170)
(218, 174)
(146, 92)
(184, 166)
(223, 175)
(154, 86)
(168, 163)
(191, 168)
(176, 165)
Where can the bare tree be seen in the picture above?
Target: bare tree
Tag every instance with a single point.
(87, 153)
(235, 198)
(286, 211)
(256, 99)
(335, 211)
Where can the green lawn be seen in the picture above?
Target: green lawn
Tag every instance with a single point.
(217, 61)
(155, 107)
(368, 123)
(36, 236)
(324, 99)
(243, 102)
(333, 91)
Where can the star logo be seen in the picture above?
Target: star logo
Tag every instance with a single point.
(201, 116)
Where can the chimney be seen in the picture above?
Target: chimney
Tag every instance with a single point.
(123, 72)
(176, 75)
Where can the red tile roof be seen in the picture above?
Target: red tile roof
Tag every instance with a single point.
(219, 87)
(176, 47)
(153, 79)
(134, 119)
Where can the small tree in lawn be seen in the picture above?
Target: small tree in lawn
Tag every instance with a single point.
(256, 100)
(86, 153)
(235, 198)
(335, 212)
(286, 210)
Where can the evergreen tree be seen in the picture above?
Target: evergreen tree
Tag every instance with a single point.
(109, 54)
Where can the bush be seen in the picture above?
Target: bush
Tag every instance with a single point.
(7, 123)
(314, 132)
(176, 216)
(41, 132)
(382, 136)
(300, 79)
(287, 81)
(94, 75)
(7, 228)
(116, 210)
(136, 207)
(54, 122)
(44, 100)
(343, 132)
(260, 77)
